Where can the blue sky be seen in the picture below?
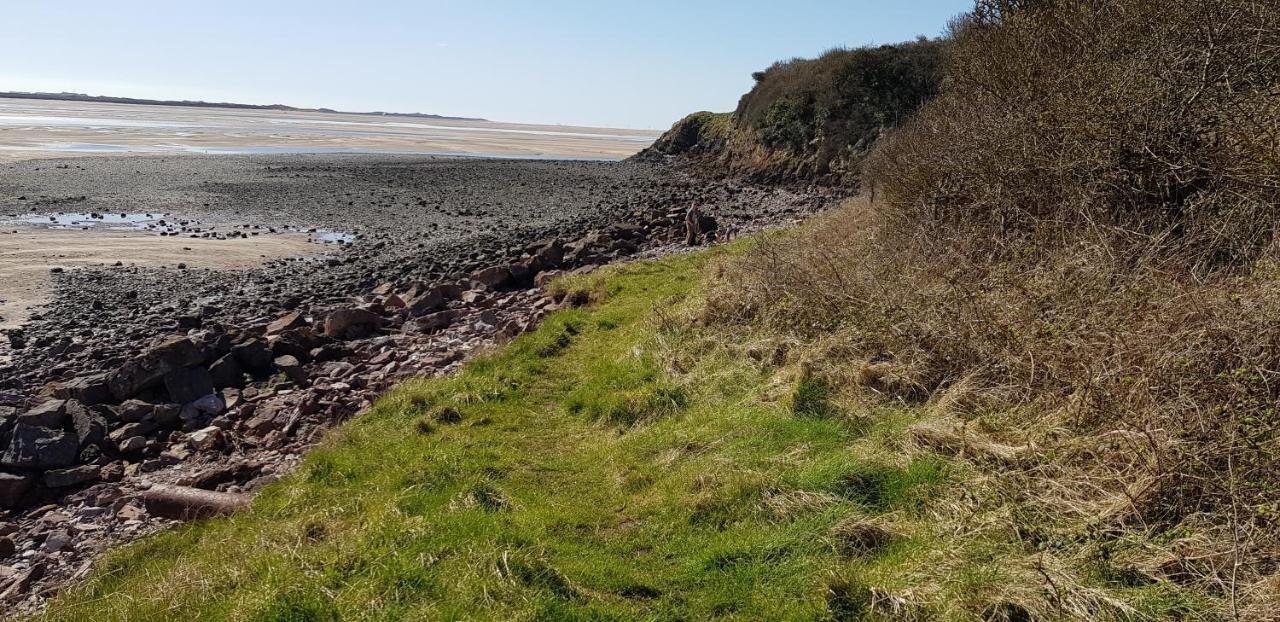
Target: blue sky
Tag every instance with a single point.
(640, 64)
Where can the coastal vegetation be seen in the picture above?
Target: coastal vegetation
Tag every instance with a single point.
(811, 119)
(1029, 374)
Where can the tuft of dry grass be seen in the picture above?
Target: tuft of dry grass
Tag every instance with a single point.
(1069, 256)
(1104, 394)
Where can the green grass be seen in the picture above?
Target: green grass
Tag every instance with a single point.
(620, 463)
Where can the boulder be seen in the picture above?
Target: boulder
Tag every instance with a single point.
(286, 322)
(90, 427)
(48, 414)
(149, 368)
(13, 488)
(131, 411)
(439, 319)
(188, 385)
(426, 302)
(36, 447)
(495, 277)
(89, 390)
(291, 368)
(346, 322)
(254, 356)
(74, 476)
(226, 372)
(298, 342)
(133, 444)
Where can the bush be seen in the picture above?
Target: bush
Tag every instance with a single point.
(1151, 123)
(843, 99)
(1078, 234)
(811, 119)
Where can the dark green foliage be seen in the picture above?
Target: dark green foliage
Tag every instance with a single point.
(811, 397)
(848, 601)
(843, 99)
(812, 118)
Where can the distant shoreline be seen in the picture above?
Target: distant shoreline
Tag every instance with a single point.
(106, 99)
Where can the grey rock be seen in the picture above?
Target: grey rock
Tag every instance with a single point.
(148, 369)
(140, 428)
(131, 411)
(48, 414)
(92, 389)
(13, 488)
(345, 323)
(36, 447)
(286, 322)
(253, 355)
(90, 427)
(206, 438)
(74, 476)
(226, 372)
(132, 444)
(188, 385)
(166, 415)
(292, 368)
(495, 277)
(56, 540)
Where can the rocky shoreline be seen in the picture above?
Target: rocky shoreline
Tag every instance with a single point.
(140, 380)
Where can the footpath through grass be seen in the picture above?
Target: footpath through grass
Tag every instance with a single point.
(619, 463)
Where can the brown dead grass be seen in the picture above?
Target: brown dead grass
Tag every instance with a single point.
(1070, 262)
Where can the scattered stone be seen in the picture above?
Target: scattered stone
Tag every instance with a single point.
(286, 322)
(344, 323)
(74, 476)
(206, 439)
(49, 414)
(36, 447)
(149, 368)
(132, 411)
(13, 488)
(189, 384)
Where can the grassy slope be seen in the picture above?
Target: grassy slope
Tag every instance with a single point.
(619, 463)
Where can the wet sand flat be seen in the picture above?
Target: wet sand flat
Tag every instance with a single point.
(27, 254)
(39, 129)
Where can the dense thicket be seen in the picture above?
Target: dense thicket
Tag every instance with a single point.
(1072, 250)
(1158, 119)
(812, 118)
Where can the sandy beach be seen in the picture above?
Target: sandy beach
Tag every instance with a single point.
(29, 253)
(41, 129)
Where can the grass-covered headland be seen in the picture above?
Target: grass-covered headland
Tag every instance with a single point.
(630, 461)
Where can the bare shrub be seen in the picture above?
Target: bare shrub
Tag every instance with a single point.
(1154, 123)
(1074, 244)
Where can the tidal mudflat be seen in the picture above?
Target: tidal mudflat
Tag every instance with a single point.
(38, 128)
(31, 255)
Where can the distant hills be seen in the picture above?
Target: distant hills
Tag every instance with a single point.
(81, 97)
